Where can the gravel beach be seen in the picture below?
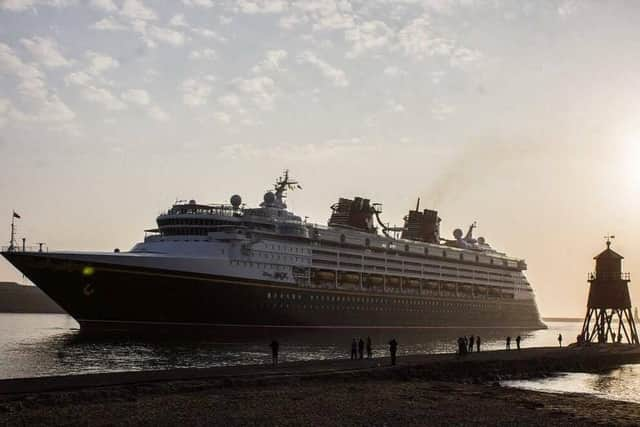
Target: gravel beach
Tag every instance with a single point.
(421, 390)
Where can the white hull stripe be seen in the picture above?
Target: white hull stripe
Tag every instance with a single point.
(237, 325)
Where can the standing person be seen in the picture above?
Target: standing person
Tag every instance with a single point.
(478, 344)
(508, 343)
(560, 339)
(275, 346)
(518, 342)
(369, 348)
(393, 348)
(471, 340)
(354, 349)
(361, 348)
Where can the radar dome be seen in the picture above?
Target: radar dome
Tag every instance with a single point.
(457, 233)
(481, 240)
(269, 197)
(236, 201)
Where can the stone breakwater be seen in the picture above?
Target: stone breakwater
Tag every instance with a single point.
(328, 392)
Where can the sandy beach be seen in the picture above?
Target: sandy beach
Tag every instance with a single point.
(432, 389)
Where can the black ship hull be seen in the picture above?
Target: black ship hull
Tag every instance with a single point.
(106, 296)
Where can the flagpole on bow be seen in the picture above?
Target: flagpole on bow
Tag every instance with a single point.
(13, 231)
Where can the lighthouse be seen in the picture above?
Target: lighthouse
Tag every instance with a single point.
(609, 301)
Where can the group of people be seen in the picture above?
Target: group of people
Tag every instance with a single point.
(465, 344)
(518, 339)
(357, 348)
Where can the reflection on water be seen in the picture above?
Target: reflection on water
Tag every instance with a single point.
(619, 384)
(48, 344)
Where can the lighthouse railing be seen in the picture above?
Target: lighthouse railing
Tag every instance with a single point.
(608, 276)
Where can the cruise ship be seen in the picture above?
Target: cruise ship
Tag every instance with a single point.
(229, 265)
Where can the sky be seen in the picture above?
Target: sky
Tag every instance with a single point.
(520, 115)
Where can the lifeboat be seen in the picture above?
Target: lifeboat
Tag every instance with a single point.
(466, 289)
(393, 281)
(350, 278)
(480, 290)
(508, 294)
(324, 276)
(374, 279)
(449, 287)
(433, 286)
(414, 283)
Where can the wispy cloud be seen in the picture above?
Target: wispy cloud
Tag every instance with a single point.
(336, 76)
(45, 51)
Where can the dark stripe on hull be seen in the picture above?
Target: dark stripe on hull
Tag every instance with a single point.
(115, 296)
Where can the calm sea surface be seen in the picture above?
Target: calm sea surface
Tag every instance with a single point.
(51, 344)
(618, 384)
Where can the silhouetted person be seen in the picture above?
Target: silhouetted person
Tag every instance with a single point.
(369, 348)
(508, 343)
(471, 340)
(560, 339)
(613, 338)
(354, 349)
(478, 344)
(275, 347)
(361, 348)
(518, 342)
(619, 338)
(393, 348)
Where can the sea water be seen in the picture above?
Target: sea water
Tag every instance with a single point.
(52, 344)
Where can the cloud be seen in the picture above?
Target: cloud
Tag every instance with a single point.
(326, 15)
(290, 21)
(108, 24)
(394, 107)
(106, 5)
(336, 76)
(367, 36)
(103, 97)
(209, 34)
(46, 105)
(20, 5)
(261, 6)
(394, 71)
(178, 21)
(98, 63)
(271, 62)
(78, 78)
(166, 35)
(203, 54)
(462, 56)
(195, 92)
(141, 98)
(231, 102)
(198, 3)
(136, 96)
(222, 117)
(440, 110)
(135, 9)
(45, 51)
(418, 40)
(261, 90)
(156, 113)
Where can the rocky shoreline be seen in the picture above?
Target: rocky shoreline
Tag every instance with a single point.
(421, 389)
